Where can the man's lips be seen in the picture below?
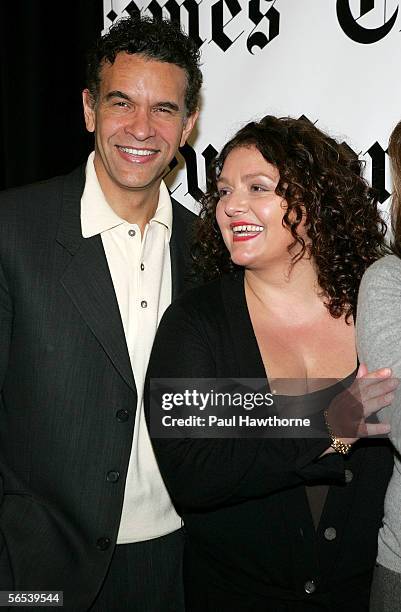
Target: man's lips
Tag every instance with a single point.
(137, 155)
(245, 231)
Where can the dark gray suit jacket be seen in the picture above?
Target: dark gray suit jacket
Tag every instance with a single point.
(68, 395)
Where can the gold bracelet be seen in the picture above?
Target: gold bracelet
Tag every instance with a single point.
(339, 447)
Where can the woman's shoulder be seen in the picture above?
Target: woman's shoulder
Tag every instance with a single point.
(209, 297)
(200, 297)
(195, 305)
(382, 270)
(208, 306)
(380, 289)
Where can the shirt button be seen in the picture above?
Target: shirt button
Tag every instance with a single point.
(103, 543)
(348, 476)
(132, 232)
(330, 533)
(144, 304)
(113, 476)
(142, 267)
(309, 587)
(122, 416)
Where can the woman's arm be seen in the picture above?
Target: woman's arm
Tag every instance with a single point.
(378, 329)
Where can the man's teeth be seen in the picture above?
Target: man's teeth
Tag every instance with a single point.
(247, 229)
(143, 152)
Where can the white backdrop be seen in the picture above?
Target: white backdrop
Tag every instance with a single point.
(334, 61)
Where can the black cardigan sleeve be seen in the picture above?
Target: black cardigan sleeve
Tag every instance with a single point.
(204, 474)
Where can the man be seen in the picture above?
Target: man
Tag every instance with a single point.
(88, 264)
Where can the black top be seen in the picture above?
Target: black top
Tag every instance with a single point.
(251, 542)
(310, 403)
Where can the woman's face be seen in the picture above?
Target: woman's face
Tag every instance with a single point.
(250, 213)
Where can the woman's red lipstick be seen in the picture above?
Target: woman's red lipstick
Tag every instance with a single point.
(245, 230)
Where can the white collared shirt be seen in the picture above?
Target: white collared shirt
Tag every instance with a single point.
(140, 269)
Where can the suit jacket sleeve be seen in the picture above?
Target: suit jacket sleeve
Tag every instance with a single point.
(208, 473)
(6, 314)
(5, 324)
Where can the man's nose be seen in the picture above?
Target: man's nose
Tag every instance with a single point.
(140, 124)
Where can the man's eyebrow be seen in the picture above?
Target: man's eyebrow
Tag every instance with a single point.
(168, 104)
(120, 94)
(116, 94)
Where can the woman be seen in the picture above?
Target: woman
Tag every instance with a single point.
(379, 334)
(287, 229)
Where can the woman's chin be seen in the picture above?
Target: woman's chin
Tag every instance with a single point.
(242, 260)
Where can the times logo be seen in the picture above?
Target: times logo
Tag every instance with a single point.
(222, 22)
(375, 153)
(366, 21)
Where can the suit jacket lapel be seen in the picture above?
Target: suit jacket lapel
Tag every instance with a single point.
(88, 282)
(180, 243)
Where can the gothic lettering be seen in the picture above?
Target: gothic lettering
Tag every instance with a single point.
(354, 30)
(218, 35)
(259, 39)
(378, 156)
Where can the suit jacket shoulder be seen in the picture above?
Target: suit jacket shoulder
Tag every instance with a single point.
(182, 237)
(34, 212)
(43, 194)
(182, 213)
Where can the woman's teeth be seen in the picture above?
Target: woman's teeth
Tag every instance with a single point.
(245, 230)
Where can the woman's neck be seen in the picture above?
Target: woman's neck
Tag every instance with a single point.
(282, 288)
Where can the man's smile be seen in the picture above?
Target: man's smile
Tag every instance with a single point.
(138, 156)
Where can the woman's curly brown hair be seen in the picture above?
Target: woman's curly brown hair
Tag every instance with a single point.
(320, 178)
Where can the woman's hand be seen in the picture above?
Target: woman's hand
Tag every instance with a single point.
(350, 410)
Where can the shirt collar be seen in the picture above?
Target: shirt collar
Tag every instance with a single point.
(164, 211)
(97, 216)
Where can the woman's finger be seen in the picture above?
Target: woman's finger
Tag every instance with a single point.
(380, 373)
(367, 392)
(377, 429)
(377, 403)
(362, 370)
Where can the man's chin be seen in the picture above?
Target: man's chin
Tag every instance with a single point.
(140, 184)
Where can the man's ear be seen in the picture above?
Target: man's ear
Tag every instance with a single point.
(89, 110)
(188, 127)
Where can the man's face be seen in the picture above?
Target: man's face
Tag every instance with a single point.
(139, 122)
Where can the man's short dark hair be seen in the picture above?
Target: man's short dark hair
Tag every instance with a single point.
(159, 40)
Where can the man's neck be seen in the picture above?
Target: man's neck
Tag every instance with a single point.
(137, 206)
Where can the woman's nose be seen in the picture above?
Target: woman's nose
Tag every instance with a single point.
(235, 204)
